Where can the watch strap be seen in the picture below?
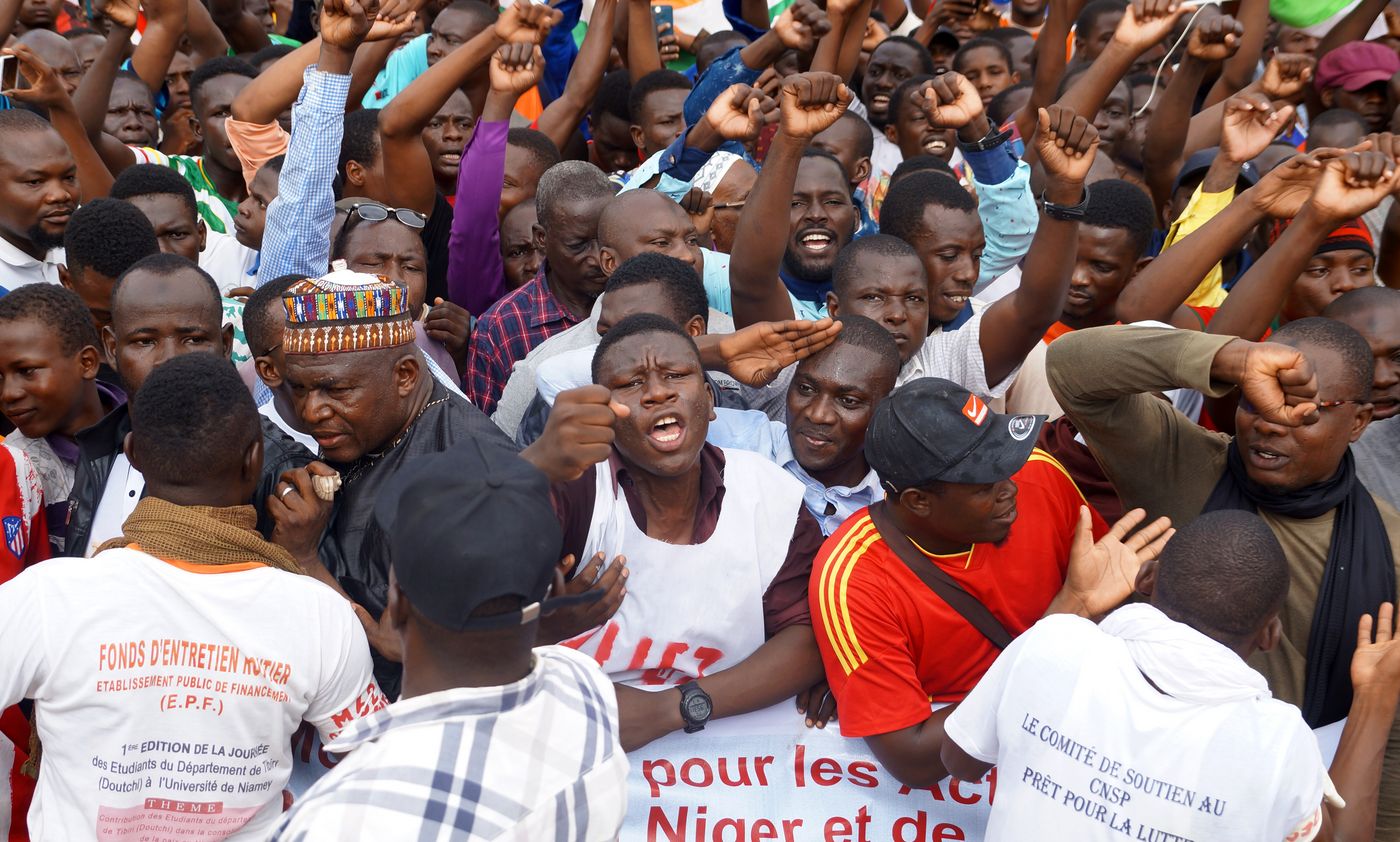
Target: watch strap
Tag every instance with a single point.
(690, 690)
(992, 140)
(1066, 213)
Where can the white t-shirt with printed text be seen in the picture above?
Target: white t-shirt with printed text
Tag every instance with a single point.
(1085, 746)
(167, 693)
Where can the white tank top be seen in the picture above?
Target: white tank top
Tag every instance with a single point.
(692, 610)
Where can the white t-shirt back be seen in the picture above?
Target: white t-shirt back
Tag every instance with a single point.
(1086, 747)
(167, 694)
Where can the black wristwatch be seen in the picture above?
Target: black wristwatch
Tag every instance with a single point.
(1065, 213)
(992, 140)
(696, 707)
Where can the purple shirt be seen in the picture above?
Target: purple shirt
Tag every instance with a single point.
(475, 274)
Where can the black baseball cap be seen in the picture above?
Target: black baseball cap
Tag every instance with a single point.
(933, 430)
(1200, 161)
(469, 525)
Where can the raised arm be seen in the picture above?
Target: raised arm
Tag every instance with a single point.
(1012, 326)
(1211, 42)
(243, 31)
(1144, 23)
(299, 219)
(1350, 186)
(275, 89)
(206, 41)
(853, 14)
(1353, 27)
(95, 90)
(810, 102)
(475, 274)
(46, 91)
(9, 13)
(643, 51)
(166, 21)
(561, 118)
(1239, 68)
(1050, 63)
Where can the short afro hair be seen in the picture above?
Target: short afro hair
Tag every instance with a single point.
(538, 147)
(657, 80)
(108, 236)
(921, 163)
(865, 133)
(612, 96)
(846, 272)
(15, 120)
(192, 410)
(1090, 14)
(1224, 574)
(1356, 302)
(1338, 338)
(902, 214)
(862, 332)
(1115, 203)
(569, 181)
(999, 109)
(263, 315)
(165, 265)
(900, 97)
(925, 57)
(637, 324)
(58, 309)
(361, 141)
(982, 43)
(1336, 118)
(216, 67)
(683, 295)
(822, 154)
(154, 180)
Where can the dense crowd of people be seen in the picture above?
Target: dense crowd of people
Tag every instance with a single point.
(479, 394)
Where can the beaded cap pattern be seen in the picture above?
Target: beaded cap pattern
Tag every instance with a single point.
(346, 311)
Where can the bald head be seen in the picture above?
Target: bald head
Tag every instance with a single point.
(57, 52)
(641, 221)
(1359, 305)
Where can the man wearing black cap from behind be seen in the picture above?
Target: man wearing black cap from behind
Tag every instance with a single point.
(492, 738)
(981, 534)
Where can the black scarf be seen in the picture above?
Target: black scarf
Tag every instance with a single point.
(1359, 574)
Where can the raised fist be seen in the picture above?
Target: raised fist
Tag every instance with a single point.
(949, 100)
(1066, 142)
(800, 25)
(739, 113)
(1215, 38)
(811, 103)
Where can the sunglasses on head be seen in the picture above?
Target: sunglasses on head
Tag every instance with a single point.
(375, 212)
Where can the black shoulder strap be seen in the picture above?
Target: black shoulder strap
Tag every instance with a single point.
(939, 581)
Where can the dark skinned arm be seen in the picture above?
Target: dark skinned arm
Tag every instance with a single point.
(275, 89)
(165, 25)
(757, 293)
(9, 13)
(1239, 68)
(755, 13)
(788, 663)
(243, 31)
(1134, 36)
(1388, 264)
(643, 51)
(1013, 325)
(1167, 129)
(402, 121)
(206, 41)
(914, 755)
(1049, 66)
(1349, 186)
(561, 118)
(1353, 27)
(46, 91)
(1356, 767)
(856, 15)
(95, 91)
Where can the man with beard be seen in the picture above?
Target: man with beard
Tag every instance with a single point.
(1374, 312)
(569, 201)
(717, 542)
(1306, 395)
(981, 534)
(32, 220)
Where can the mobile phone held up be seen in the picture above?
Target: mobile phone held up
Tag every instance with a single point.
(663, 16)
(9, 73)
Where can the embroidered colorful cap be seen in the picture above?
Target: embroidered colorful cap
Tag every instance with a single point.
(346, 311)
(933, 430)
(472, 525)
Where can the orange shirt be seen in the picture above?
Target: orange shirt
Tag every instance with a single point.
(890, 645)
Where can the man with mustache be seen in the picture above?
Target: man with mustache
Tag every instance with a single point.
(32, 220)
(1374, 312)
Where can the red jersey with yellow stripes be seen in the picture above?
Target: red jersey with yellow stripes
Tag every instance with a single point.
(891, 646)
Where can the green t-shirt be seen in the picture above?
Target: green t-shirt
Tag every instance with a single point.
(217, 212)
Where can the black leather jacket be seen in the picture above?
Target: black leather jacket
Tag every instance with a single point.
(99, 445)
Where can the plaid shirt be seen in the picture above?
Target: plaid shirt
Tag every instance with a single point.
(506, 333)
(295, 239)
(535, 760)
